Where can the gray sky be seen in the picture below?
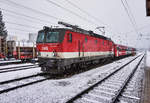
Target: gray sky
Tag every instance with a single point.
(108, 13)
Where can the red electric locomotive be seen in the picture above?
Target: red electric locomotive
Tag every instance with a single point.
(60, 49)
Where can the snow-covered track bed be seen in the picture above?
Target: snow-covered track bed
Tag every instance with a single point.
(133, 91)
(9, 85)
(110, 88)
(17, 68)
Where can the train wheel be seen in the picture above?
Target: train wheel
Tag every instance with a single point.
(22, 60)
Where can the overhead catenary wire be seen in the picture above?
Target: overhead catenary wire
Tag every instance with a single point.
(11, 33)
(30, 9)
(140, 28)
(134, 21)
(9, 2)
(85, 12)
(91, 22)
(20, 30)
(21, 25)
(130, 18)
(27, 16)
(110, 30)
(36, 11)
(131, 12)
(68, 10)
(26, 19)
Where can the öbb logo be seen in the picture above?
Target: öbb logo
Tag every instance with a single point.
(45, 48)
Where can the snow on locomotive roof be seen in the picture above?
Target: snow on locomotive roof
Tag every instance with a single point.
(90, 33)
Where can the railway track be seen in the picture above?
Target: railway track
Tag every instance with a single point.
(110, 88)
(7, 63)
(18, 68)
(15, 62)
(13, 84)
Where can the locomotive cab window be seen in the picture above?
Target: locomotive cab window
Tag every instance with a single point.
(52, 37)
(69, 37)
(40, 37)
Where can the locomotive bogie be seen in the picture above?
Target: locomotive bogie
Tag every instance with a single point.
(53, 65)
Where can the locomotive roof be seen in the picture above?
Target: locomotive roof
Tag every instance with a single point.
(90, 33)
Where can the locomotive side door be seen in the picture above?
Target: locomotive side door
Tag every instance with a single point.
(79, 47)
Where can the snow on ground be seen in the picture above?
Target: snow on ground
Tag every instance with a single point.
(18, 74)
(134, 87)
(148, 58)
(57, 91)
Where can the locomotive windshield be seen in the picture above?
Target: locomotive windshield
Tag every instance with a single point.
(40, 38)
(52, 37)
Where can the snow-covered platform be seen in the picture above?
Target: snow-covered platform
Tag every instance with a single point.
(146, 92)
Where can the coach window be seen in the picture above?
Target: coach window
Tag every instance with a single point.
(70, 37)
(86, 39)
(103, 42)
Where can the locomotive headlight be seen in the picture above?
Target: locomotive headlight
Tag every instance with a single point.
(54, 54)
(38, 53)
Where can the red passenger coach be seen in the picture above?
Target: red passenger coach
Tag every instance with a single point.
(121, 51)
(60, 49)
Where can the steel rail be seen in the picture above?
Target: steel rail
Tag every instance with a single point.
(23, 85)
(79, 95)
(18, 69)
(15, 62)
(126, 82)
